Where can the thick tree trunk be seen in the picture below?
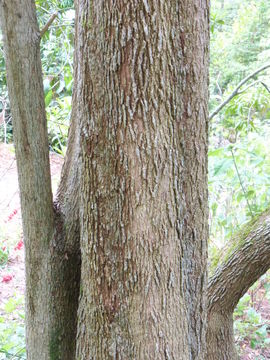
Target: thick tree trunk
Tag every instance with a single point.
(242, 263)
(52, 256)
(144, 179)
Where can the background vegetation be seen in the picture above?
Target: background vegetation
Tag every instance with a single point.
(239, 161)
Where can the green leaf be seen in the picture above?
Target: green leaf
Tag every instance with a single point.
(216, 152)
(48, 98)
(221, 22)
(253, 343)
(222, 166)
(262, 331)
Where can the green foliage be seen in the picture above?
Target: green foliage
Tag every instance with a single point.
(239, 177)
(12, 333)
(3, 256)
(215, 22)
(57, 55)
(238, 46)
(6, 132)
(56, 58)
(4, 249)
(238, 155)
(248, 321)
(58, 123)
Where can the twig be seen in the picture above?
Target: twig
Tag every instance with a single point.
(6, 170)
(267, 88)
(50, 21)
(241, 183)
(254, 83)
(236, 90)
(249, 86)
(217, 84)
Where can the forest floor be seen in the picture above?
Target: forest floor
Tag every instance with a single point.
(12, 280)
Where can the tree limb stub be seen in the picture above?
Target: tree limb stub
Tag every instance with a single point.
(236, 90)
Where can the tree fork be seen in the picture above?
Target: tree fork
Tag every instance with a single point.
(51, 242)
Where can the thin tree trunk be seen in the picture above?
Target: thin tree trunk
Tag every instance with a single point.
(52, 264)
(241, 264)
(143, 209)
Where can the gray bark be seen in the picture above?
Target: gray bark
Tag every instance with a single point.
(144, 78)
(244, 261)
(52, 263)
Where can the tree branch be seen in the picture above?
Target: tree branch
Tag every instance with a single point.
(46, 27)
(266, 87)
(249, 86)
(242, 263)
(236, 90)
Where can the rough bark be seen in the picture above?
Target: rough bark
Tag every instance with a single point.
(144, 179)
(68, 199)
(52, 269)
(246, 259)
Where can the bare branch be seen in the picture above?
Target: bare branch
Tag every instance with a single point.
(46, 27)
(236, 90)
(249, 86)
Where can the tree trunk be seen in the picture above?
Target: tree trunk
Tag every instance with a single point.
(246, 259)
(133, 190)
(220, 336)
(144, 68)
(51, 243)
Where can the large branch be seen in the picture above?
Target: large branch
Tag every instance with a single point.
(242, 263)
(236, 90)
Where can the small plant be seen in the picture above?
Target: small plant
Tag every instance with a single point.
(249, 325)
(12, 333)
